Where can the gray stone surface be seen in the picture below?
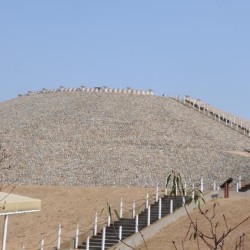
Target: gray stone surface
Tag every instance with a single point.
(89, 138)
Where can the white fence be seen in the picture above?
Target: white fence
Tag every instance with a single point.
(127, 209)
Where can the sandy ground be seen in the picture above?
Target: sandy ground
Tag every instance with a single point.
(67, 206)
(77, 205)
(235, 209)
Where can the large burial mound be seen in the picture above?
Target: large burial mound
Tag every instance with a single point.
(115, 139)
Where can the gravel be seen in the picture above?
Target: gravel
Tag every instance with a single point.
(115, 139)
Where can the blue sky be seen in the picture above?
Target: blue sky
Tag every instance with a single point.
(199, 48)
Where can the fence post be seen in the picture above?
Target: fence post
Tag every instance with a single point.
(109, 220)
(42, 244)
(87, 243)
(59, 233)
(193, 191)
(171, 206)
(147, 200)
(237, 186)
(160, 205)
(103, 237)
(76, 236)
(157, 193)
(121, 207)
(95, 224)
(120, 233)
(202, 186)
(183, 200)
(136, 223)
(166, 189)
(240, 182)
(133, 211)
(214, 185)
(185, 188)
(149, 215)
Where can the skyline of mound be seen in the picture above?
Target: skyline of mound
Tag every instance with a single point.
(108, 139)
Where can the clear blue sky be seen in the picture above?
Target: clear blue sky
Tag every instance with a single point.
(199, 48)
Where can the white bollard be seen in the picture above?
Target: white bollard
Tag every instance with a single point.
(95, 224)
(133, 210)
(171, 206)
(121, 208)
(87, 243)
(120, 233)
(147, 196)
(214, 185)
(237, 186)
(59, 233)
(76, 236)
(160, 206)
(103, 237)
(157, 193)
(149, 215)
(136, 223)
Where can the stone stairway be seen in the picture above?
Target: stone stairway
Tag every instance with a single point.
(129, 225)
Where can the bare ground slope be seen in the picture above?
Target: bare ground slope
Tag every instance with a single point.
(234, 209)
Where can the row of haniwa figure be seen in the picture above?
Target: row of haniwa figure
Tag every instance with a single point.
(104, 89)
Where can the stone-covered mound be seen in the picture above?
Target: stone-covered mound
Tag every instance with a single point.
(115, 139)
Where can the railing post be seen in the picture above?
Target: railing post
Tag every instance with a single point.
(59, 233)
(160, 205)
(95, 224)
(183, 201)
(87, 243)
(147, 196)
(148, 215)
(5, 228)
(121, 207)
(120, 233)
(42, 244)
(133, 211)
(109, 220)
(157, 193)
(202, 185)
(103, 237)
(136, 223)
(76, 236)
(171, 206)
(166, 189)
(193, 191)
